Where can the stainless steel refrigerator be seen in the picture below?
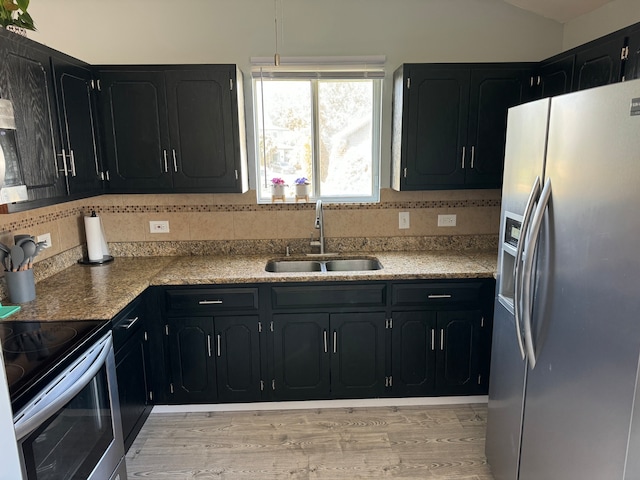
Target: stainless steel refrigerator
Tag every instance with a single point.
(566, 340)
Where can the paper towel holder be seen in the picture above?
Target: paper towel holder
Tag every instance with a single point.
(106, 258)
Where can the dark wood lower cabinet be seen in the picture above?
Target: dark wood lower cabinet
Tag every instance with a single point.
(133, 362)
(358, 355)
(300, 356)
(131, 371)
(193, 370)
(413, 341)
(458, 362)
(238, 358)
(409, 339)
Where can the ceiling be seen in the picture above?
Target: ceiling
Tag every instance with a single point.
(559, 10)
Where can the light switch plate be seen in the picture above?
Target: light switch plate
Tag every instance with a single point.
(403, 220)
(446, 220)
(159, 226)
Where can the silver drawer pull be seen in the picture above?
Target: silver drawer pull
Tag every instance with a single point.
(445, 295)
(210, 302)
(131, 323)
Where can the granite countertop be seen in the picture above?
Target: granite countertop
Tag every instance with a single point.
(100, 292)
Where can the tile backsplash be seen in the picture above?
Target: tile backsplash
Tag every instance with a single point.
(235, 223)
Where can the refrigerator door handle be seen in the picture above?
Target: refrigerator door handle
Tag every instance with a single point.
(533, 197)
(536, 223)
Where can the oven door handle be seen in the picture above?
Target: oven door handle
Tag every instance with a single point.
(62, 390)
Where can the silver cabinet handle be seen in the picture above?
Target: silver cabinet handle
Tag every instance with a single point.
(473, 155)
(210, 302)
(73, 163)
(527, 270)
(166, 164)
(324, 335)
(533, 197)
(335, 342)
(175, 162)
(131, 323)
(209, 344)
(464, 154)
(442, 339)
(218, 344)
(433, 339)
(64, 162)
(443, 295)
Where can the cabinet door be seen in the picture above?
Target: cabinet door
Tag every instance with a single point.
(26, 81)
(237, 358)
(193, 373)
(78, 128)
(493, 91)
(413, 347)
(436, 123)
(458, 352)
(632, 67)
(358, 355)
(136, 133)
(132, 362)
(203, 140)
(301, 362)
(598, 63)
(556, 76)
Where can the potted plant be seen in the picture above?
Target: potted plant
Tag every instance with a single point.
(14, 16)
(277, 187)
(302, 187)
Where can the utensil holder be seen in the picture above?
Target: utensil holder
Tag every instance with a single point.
(21, 286)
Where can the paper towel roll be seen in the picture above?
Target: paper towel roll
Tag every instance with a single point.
(96, 243)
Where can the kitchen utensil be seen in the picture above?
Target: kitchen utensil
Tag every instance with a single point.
(29, 247)
(17, 256)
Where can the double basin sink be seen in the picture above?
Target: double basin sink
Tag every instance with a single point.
(324, 265)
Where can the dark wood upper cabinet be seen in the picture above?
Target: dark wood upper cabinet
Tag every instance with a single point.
(449, 123)
(136, 133)
(555, 76)
(25, 79)
(174, 128)
(599, 62)
(493, 91)
(632, 63)
(78, 125)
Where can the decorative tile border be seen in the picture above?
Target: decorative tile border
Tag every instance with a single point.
(288, 207)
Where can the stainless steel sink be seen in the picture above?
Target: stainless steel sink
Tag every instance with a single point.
(333, 265)
(353, 264)
(280, 266)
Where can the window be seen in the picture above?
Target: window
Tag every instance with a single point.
(321, 124)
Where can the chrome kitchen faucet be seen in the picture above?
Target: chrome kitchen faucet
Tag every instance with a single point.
(319, 224)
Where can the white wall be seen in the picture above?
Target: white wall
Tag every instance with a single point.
(606, 19)
(232, 31)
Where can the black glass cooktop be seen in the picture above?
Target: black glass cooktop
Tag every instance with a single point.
(34, 352)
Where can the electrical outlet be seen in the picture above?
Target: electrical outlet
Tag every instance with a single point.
(403, 220)
(160, 226)
(45, 237)
(446, 220)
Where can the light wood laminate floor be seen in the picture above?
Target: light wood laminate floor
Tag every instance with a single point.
(417, 442)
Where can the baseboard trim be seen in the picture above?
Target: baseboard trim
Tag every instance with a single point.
(316, 404)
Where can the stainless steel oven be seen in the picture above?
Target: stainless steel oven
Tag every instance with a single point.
(71, 429)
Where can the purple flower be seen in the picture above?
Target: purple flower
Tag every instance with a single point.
(302, 181)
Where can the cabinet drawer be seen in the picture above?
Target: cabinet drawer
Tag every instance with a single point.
(435, 293)
(127, 323)
(212, 299)
(329, 296)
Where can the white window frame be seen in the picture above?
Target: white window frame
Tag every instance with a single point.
(314, 69)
